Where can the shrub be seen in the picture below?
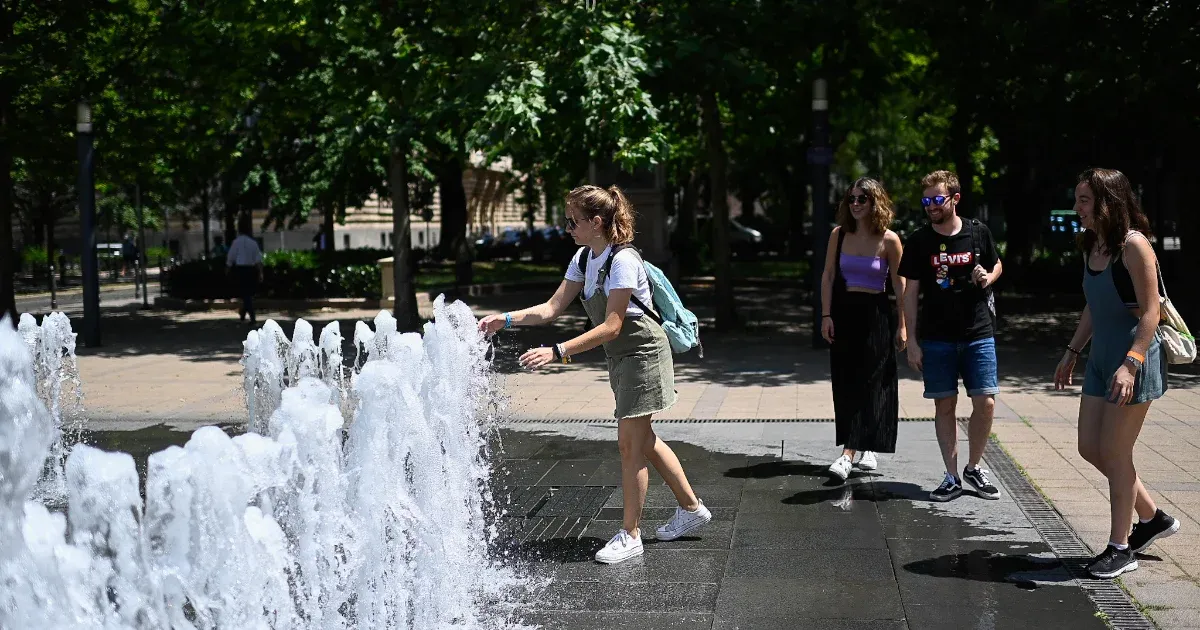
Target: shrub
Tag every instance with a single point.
(293, 275)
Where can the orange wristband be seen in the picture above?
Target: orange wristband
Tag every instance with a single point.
(1141, 358)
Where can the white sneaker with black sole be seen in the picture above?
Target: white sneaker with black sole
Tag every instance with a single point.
(840, 468)
(684, 522)
(620, 548)
(867, 461)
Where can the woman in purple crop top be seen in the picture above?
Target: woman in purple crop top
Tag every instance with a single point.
(862, 327)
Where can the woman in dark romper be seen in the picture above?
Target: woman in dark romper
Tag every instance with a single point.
(613, 284)
(1126, 367)
(862, 327)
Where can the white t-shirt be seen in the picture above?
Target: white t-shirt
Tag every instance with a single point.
(244, 252)
(627, 273)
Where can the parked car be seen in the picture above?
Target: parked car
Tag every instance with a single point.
(774, 237)
(510, 244)
(743, 241)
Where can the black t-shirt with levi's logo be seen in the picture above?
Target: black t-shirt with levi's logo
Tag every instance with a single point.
(953, 307)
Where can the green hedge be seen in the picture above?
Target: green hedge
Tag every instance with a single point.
(295, 274)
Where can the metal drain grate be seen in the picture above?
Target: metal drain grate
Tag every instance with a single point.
(1109, 599)
(690, 420)
(546, 513)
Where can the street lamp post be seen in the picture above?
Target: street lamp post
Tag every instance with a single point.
(820, 156)
(53, 269)
(87, 214)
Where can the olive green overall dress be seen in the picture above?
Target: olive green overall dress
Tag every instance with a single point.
(641, 371)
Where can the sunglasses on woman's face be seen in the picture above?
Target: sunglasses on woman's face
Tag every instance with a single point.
(936, 200)
(571, 224)
(858, 199)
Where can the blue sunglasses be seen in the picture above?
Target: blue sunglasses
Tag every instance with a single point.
(936, 200)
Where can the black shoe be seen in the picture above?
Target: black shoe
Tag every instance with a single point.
(1144, 534)
(977, 477)
(949, 490)
(1113, 562)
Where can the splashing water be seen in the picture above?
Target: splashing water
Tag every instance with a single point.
(300, 525)
(52, 346)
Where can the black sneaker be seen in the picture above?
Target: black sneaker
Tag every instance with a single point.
(1144, 534)
(949, 490)
(977, 477)
(1113, 562)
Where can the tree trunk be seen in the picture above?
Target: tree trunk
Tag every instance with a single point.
(230, 210)
(8, 299)
(404, 290)
(454, 217)
(717, 160)
(204, 214)
(796, 195)
(231, 216)
(960, 147)
(684, 237)
(327, 222)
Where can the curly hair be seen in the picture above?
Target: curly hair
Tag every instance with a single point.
(882, 211)
(1116, 210)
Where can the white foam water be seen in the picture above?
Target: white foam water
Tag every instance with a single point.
(52, 346)
(299, 523)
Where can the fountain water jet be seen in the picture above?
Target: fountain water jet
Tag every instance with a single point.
(52, 345)
(296, 524)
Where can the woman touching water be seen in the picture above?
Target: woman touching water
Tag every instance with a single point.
(640, 366)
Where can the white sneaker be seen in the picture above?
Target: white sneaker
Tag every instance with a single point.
(684, 522)
(841, 467)
(621, 548)
(867, 461)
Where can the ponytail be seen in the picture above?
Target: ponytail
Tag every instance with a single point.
(611, 205)
(619, 229)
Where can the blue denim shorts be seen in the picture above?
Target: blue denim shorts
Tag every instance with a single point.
(944, 361)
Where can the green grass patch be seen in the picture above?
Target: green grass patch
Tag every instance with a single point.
(432, 276)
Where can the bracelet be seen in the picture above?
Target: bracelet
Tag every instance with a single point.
(508, 320)
(1136, 358)
(561, 353)
(827, 316)
(1073, 350)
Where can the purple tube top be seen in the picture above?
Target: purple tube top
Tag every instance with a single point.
(864, 272)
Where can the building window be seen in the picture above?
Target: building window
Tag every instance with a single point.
(345, 241)
(382, 239)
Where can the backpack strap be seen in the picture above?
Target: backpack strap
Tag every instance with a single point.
(633, 296)
(583, 261)
(974, 225)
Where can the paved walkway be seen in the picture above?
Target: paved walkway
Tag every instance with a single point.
(787, 548)
(182, 369)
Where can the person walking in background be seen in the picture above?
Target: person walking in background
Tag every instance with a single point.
(245, 261)
(950, 264)
(863, 331)
(129, 254)
(616, 290)
(1126, 368)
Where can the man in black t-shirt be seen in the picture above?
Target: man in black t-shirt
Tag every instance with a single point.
(951, 264)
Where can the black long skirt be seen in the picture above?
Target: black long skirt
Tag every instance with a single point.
(862, 361)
